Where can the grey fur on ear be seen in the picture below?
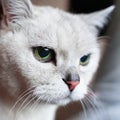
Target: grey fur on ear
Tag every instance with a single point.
(15, 10)
(98, 19)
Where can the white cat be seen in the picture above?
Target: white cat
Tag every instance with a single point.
(47, 58)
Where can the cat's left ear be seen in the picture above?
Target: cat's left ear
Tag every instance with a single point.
(98, 19)
(12, 11)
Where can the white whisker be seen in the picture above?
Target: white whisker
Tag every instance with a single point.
(23, 103)
(26, 91)
(84, 109)
(38, 100)
(20, 99)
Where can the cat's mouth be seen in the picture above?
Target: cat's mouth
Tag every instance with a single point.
(60, 100)
(59, 96)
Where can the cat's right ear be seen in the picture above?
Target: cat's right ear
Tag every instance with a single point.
(13, 11)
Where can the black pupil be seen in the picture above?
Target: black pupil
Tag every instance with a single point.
(43, 52)
(84, 58)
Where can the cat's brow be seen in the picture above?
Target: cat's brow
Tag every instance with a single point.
(43, 44)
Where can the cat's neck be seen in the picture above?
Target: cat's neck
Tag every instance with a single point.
(37, 112)
(41, 112)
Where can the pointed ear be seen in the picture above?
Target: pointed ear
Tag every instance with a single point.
(97, 20)
(15, 10)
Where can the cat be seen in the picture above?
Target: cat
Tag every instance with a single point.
(48, 58)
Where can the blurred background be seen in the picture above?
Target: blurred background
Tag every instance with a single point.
(107, 84)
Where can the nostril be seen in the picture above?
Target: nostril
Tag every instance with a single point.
(63, 80)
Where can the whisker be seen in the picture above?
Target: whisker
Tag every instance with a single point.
(90, 101)
(17, 108)
(94, 98)
(26, 101)
(91, 93)
(26, 91)
(84, 109)
(20, 107)
(19, 100)
(38, 100)
(26, 105)
(93, 104)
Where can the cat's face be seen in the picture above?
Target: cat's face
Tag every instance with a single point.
(52, 53)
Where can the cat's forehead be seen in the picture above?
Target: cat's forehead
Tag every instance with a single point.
(54, 28)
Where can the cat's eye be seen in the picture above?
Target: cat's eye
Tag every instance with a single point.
(84, 60)
(44, 54)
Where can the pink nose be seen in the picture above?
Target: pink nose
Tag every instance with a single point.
(72, 84)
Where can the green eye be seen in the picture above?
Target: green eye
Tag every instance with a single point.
(43, 54)
(84, 60)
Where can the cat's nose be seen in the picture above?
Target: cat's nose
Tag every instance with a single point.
(72, 80)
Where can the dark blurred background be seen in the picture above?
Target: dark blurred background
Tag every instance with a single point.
(76, 6)
(87, 6)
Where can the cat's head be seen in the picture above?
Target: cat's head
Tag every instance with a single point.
(51, 53)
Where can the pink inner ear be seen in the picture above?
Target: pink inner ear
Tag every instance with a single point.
(1, 10)
(3, 15)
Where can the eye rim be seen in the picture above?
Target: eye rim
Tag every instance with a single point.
(52, 54)
(86, 62)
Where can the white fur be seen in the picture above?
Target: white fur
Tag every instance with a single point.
(69, 35)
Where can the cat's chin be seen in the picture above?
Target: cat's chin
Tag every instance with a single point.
(64, 102)
(61, 102)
